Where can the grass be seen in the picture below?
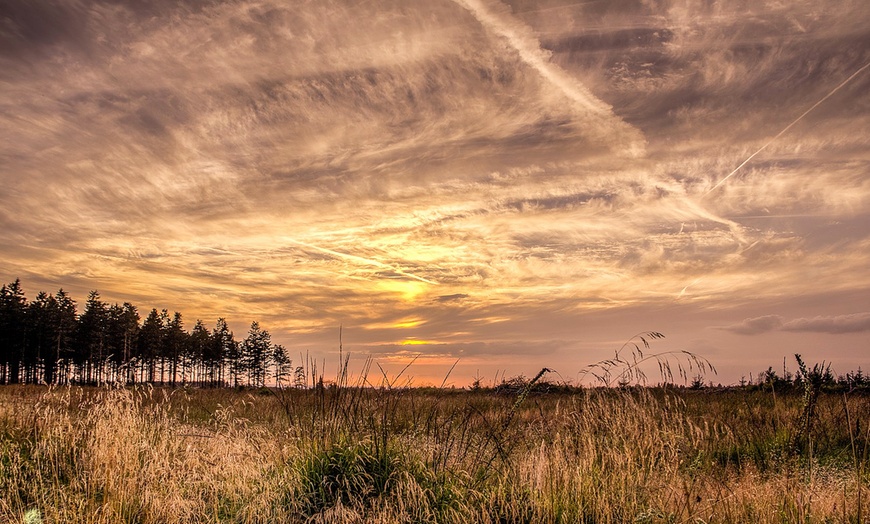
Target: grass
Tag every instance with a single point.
(387, 454)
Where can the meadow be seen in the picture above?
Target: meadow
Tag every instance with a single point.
(524, 452)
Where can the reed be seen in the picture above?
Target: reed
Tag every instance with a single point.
(378, 451)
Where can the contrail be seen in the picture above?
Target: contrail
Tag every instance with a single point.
(366, 261)
(521, 39)
(531, 53)
(683, 292)
(796, 120)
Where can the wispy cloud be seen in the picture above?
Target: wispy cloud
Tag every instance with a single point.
(786, 128)
(328, 164)
(834, 325)
(854, 323)
(757, 325)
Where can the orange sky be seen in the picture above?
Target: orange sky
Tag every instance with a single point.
(511, 184)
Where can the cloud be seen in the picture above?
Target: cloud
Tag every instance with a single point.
(834, 325)
(531, 53)
(329, 164)
(495, 18)
(451, 298)
(853, 323)
(470, 350)
(786, 128)
(757, 325)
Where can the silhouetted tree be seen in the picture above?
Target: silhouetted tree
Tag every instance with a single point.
(199, 345)
(38, 337)
(150, 342)
(257, 354)
(13, 311)
(123, 331)
(283, 364)
(176, 344)
(46, 341)
(91, 339)
(224, 352)
(64, 323)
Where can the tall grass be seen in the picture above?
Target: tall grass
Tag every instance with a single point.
(389, 454)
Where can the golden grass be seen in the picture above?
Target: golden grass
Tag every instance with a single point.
(346, 455)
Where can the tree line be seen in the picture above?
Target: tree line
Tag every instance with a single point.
(46, 341)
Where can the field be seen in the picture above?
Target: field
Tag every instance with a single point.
(500, 455)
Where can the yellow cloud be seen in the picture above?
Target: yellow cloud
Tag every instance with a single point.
(417, 342)
(405, 324)
(409, 289)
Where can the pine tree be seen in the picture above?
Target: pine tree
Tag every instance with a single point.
(224, 353)
(13, 311)
(65, 323)
(40, 338)
(257, 354)
(46, 341)
(91, 339)
(123, 331)
(150, 343)
(283, 364)
(176, 345)
(200, 342)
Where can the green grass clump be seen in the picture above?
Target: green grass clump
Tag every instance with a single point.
(362, 480)
(352, 474)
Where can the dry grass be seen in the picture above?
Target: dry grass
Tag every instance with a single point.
(379, 455)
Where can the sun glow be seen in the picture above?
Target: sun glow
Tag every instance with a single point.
(409, 323)
(408, 289)
(417, 342)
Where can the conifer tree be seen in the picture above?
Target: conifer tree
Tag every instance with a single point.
(13, 313)
(65, 323)
(176, 344)
(151, 342)
(257, 354)
(200, 340)
(91, 339)
(123, 330)
(39, 338)
(283, 364)
(224, 353)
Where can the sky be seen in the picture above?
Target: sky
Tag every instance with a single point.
(507, 184)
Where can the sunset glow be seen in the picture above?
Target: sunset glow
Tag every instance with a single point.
(513, 184)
